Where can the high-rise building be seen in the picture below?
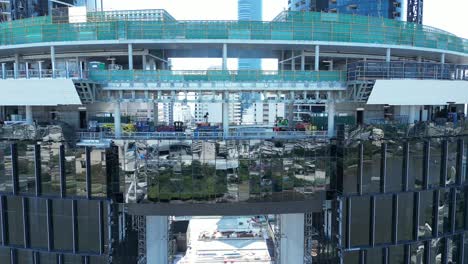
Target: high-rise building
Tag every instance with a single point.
(376, 172)
(19, 9)
(405, 10)
(250, 10)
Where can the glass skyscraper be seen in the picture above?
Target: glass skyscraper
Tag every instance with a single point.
(250, 10)
(393, 9)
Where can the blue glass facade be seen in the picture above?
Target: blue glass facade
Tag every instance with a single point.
(380, 8)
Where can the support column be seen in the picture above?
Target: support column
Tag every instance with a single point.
(29, 115)
(302, 61)
(226, 114)
(442, 58)
(52, 60)
(3, 71)
(388, 57)
(117, 120)
(39, 64)
(331, 116)
(224, 57)
(412, 114)
(26, 65)
(130, 56)
(156, 114)
(143, 62)
(156, 239)
(292, 238)
(317, 58)
(16, 66)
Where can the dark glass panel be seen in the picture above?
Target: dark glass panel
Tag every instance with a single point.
(48, 258)
(88, 226)
(416, 163)
(383, 219)
(37, 222)
(460, 209)
(452, 162)
(435, 163)
(350, 169)
(5, 255)
(24, 256)
(98, 172)
(72, 259)
(444, 209)
(5, 168)
(26, 168)
(15, 221)
(75, 171)
(351, 257)
(50, 168)
(374, 255)
(62, 224)
(396, 255)
(437, 249)
(394, 170)
(371, 168)
(405, 216)
(360, 221)
(453, 249)
(426, 219)
(417, 253)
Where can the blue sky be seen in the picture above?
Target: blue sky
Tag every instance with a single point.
(450, 15)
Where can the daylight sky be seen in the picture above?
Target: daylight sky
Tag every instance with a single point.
(450, 15)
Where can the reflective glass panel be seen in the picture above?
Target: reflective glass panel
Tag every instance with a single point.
(26, 167)
(371, 168)
(360, 221)
(383, 219)
(5, 167)
(14, 214)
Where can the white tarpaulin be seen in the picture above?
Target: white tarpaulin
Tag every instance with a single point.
(44, 92)
(419, 92)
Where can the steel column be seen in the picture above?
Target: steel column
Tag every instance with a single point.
(38, 169)
(130, 56)
(52, 60)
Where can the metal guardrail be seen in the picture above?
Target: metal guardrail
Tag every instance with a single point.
(215, 75)
(41, 74)
(373, 70)
(301, 26)
(98, 136)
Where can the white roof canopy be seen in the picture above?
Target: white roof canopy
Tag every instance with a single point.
(419, 92)
(34, 92)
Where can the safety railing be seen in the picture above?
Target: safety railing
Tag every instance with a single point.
(310, 26)
(41, 74)
(363, 71)
(106, 76)
(199, 135)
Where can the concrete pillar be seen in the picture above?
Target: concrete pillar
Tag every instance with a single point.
(317, 58)
(29, 115)
(419, 59)
(130, 56)
(388, 57)
(290, 108)
(143, 62)
(15, 70)
(442, 58)
(39, 64)
(157, 240)
(331, 66)
(156, 114)
(224, 67)
(67, 69)
(466, 110)
(226, 114)
(3, 71)
(331, 117)
(292, 238)
(302, 61)
(52, 60)
(117, 120)
(282, 61)
(26, 66)
(412, 115)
